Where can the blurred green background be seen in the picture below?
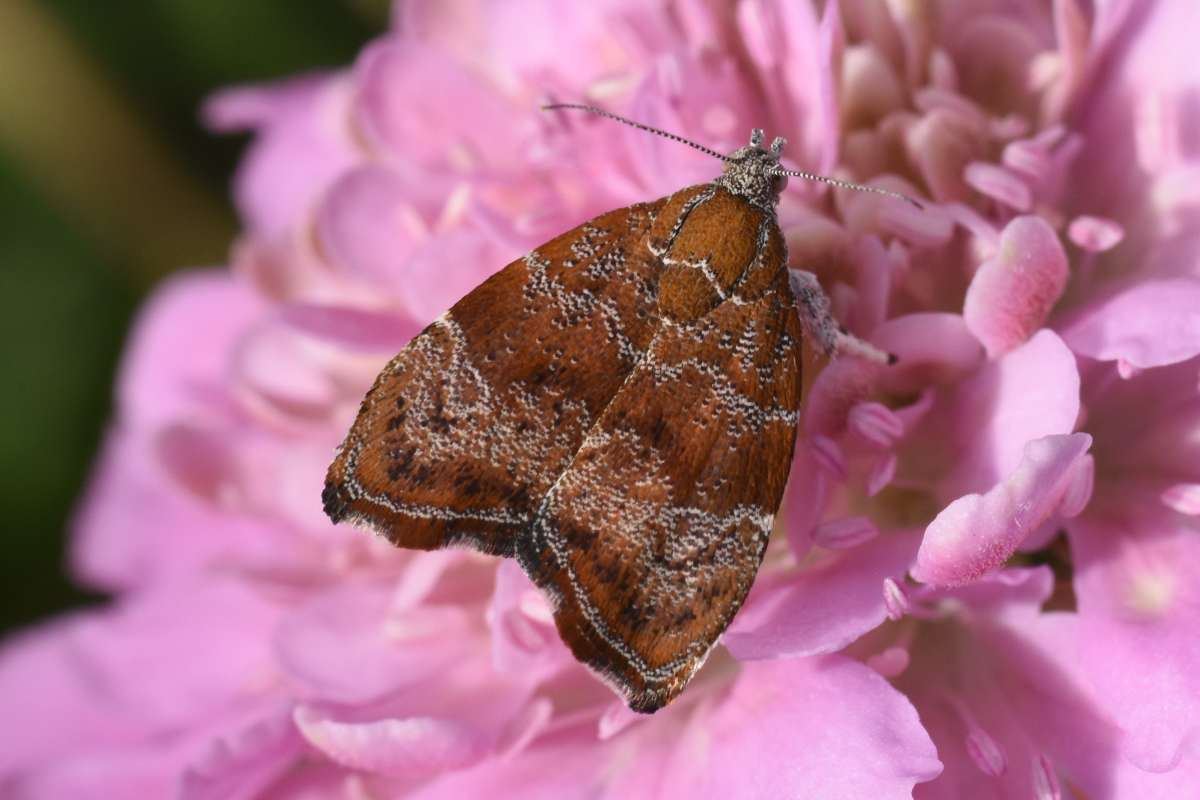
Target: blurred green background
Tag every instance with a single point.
(107, 183)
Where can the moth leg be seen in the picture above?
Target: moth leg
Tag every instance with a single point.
(812, 306)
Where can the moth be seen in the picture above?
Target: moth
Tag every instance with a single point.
(616, 410)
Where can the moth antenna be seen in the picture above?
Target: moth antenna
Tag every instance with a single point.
(798, 173)
(600, 112)
(756, 137)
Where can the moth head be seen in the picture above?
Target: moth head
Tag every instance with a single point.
(753, 171)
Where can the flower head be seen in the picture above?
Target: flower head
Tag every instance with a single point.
(919, 621)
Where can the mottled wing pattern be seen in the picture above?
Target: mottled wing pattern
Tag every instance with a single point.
(652, 536)
(470, 425)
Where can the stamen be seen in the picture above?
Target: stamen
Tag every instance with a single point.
(985, 751)
(876, 423)
(981, 746)
(895, 600)
(1045, 782)
(828, 455)
(881, 474)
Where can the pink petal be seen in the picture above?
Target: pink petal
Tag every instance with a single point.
(243, 764)
(940, 145)
(407, 90)
(984, 231)
(927, 99)
(1150, 324)
(942, 73)
(1138, 593)
(869, 86)
(346, 645)
(442, 270)
(369, 225)
(1000, 691)
(931, 347)
(394, 746)
(1150, 48)
(1183, 497)
(985, 421)
(921, 227)
(1079, 490)
(978, 533)
(351, 328)
(842, 534)
(875, 267)
(151, 770)
(524, 640)
(529, 37)
(822, 609)
(705, 95)
(616, 718)
(419, 576)
(246, 107)
(114, 703)
(796, 51)
(1130, 781)
(1011, 294)
(823, 727)
(189, 660)
(841, 387)
(804, 501)
(1154, 446)
(993, 52)
(47, 696)
(181, 345)
(301, 145)
(1015, 594)
(112, 548)
(283, 371)
(1030, 158)
(564, 768)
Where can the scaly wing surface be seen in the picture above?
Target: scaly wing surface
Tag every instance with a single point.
(650, 539)
(470, 425)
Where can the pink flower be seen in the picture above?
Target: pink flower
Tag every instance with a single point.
(919, 623)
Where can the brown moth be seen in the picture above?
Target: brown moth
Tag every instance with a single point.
(616, 410)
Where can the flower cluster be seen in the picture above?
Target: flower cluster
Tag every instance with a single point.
(985, 579)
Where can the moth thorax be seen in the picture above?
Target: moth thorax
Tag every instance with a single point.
(750, 172)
